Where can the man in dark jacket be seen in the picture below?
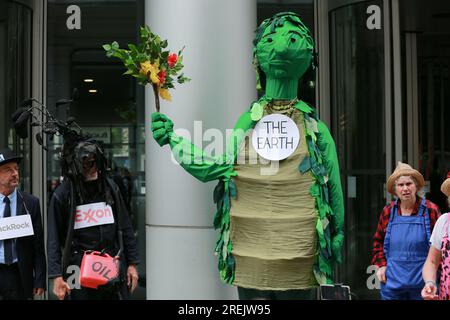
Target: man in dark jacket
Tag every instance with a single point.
(22, 252)
(85, 189)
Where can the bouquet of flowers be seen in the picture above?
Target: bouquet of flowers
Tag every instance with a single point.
(150, 63)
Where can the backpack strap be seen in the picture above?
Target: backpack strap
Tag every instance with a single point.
(70, 229)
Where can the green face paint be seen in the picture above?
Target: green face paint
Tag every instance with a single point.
(284, 53)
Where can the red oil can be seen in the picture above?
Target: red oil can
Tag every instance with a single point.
(98, 269)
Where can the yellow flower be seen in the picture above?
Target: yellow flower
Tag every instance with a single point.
(145, 67)
(151, 70)
(165, 94)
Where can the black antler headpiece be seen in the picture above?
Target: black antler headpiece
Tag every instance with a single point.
(41, 117)
(73, 137)
(32, 109)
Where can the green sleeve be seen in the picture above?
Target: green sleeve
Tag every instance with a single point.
(336, 200)
(203, 166)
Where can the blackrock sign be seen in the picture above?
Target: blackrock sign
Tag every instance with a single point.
(16, 227)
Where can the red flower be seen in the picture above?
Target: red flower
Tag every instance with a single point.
(162, 76)
(172, 60)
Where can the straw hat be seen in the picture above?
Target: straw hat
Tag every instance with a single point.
(445, 188)
(404, 169)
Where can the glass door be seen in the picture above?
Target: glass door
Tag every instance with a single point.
(110, 106)
(426, 54)
(15, 77)
(360, 125)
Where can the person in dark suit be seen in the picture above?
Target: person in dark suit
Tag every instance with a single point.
(22, 257)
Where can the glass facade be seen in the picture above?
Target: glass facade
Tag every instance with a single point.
(425, 38)
(15, 76)
(358, 127)
(434, 116)
(110, 106)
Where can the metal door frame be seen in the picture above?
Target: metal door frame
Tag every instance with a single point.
(38, 89)
(393, 73)
(412, 96)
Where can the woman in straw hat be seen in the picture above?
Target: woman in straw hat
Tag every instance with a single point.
(439, 255)
(401, 241)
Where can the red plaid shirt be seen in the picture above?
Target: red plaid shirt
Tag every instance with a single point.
(378, 257)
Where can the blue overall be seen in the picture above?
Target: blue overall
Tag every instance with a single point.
(406, 246)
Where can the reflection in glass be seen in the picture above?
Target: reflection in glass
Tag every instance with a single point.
(114, 114)
(358, 113)
(15, 77)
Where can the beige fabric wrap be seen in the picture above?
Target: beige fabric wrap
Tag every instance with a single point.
(273, 220)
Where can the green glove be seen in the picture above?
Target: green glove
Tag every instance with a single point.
(162, 127)
(336, 246)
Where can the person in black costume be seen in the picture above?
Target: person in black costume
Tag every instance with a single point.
(70, 235)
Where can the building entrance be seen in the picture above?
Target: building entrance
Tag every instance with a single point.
(110, 107)
(15, 78)
(426, 52)
(389, 102)
(360, 119)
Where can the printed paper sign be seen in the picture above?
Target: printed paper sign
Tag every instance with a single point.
(16, 227)
(275, 137)
(93, 214)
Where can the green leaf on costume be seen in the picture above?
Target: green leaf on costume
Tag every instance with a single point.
(319, 229)
(322, 212)
(314, 190)
(217, 218)
(324, 266)
(232, 187)
(325, 193)
(305, 165)
(224, 251)
(320, 277)
(230, 262)
(311, 125)
(256, 112)
(325, 223)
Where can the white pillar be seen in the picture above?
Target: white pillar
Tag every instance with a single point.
(218, 58)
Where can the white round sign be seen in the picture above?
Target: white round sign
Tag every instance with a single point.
(275, 137)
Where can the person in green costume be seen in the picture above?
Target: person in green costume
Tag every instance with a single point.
(280, 235)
